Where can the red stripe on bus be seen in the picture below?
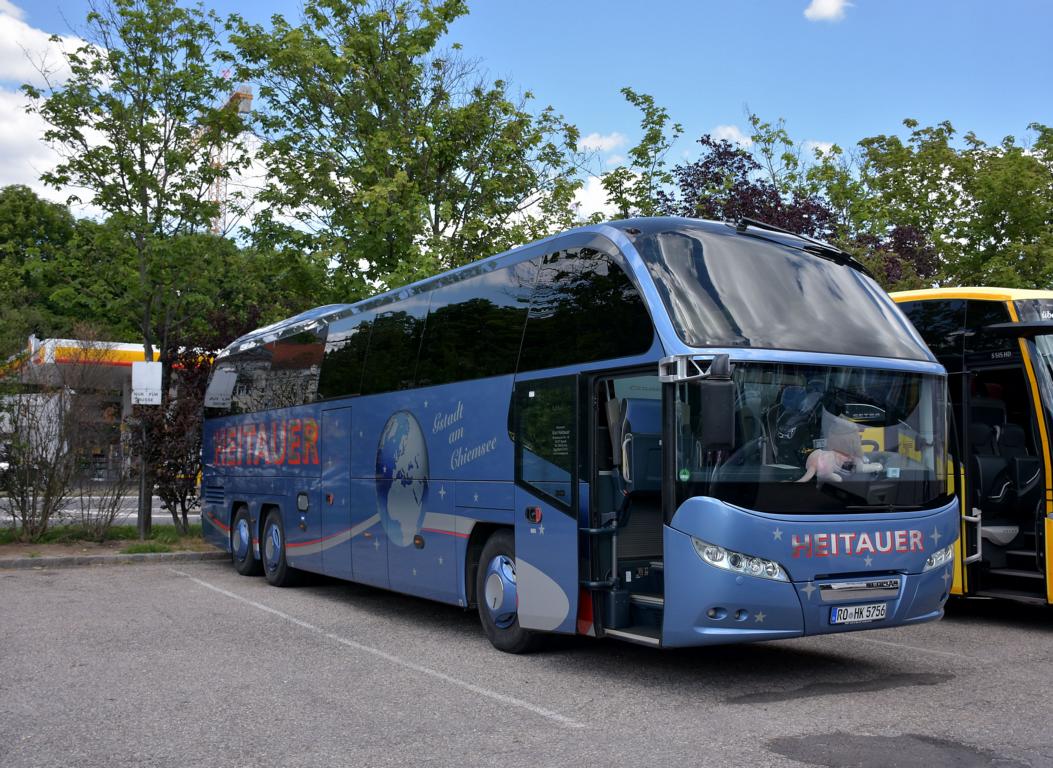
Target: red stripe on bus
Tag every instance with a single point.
(216, 521)
(448, 533)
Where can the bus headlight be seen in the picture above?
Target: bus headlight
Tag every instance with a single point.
(737, 562)
(939, 557)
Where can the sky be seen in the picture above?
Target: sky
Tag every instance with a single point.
(836, 71)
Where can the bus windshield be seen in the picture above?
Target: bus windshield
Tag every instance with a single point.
(727, 290)
(818, 439)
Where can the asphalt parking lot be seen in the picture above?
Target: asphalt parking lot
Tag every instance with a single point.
(191, 664)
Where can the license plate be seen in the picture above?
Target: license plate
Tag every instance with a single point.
(858, 614)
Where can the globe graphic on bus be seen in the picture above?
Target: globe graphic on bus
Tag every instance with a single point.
(402, 477)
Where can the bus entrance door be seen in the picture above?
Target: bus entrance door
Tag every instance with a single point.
(1005, 484)
(546, 519)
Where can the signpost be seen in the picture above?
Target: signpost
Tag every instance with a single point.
(146, 383)
(146, 390)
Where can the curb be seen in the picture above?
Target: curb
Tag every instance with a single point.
(75, 561)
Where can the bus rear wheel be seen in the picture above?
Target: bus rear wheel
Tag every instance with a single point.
(497, 597)
(241, 550)
(272, 552)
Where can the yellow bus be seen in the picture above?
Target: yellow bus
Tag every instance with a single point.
(997, 347)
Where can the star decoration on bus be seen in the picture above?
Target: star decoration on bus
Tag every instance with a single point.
(475, 498)
(808, 589)
(935, 536)
(868, 560)
(376, 544)
(442, 492)
(759, 617)
(777, 534)
(946, 577)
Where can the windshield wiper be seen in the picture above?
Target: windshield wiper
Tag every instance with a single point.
(815, 246)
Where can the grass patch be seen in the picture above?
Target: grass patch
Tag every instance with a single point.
(160, 535)
(145, 547)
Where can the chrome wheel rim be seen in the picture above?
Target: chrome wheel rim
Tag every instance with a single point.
(499, 586)
(272, 554)
(242, 540)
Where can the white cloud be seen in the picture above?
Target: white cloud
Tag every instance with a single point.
(826, 10)
(25, 50)
(731, 133)
(602, 142)
(812, 147)
(592, 198)
(23, 153)
(8, 8)
(614, 160)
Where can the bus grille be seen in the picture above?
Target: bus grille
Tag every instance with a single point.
(213, 494)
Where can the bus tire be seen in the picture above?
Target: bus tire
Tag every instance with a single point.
(241, 551)
(496, 596)
(272, 552)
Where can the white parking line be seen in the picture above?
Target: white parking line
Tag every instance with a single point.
(503, 698)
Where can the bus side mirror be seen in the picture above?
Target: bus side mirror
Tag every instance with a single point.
(717, 407)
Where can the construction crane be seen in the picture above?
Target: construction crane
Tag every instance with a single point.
(240, 101)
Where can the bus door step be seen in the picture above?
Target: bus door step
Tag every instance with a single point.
(1030, 598)
(1016, 574)
(647, 601)
(641, 635)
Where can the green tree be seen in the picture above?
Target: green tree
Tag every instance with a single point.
(1008, 231)
(143, 126)
(779, 157)
(935, 209)
(634, 189)
(35, 237)
(394, 158)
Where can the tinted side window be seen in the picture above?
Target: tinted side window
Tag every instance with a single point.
(982, 346)
(296, 361)
(391, 362)
(280, 374)
(475, 326)
(345, 356)
(942, 324)
(584, 308)
(249, 393)
(545, 437)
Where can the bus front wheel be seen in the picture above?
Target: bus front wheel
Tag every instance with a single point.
(241, 550)
(272, 552)
(497, 596)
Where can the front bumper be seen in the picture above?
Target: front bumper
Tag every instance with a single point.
(705, 605)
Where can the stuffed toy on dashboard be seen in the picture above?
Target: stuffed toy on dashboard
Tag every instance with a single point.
(841, 455)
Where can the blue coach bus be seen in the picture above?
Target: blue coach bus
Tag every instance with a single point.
(668, 431)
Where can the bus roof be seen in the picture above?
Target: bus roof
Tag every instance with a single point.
(990, 294)
(697, 295)
(519, 253)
